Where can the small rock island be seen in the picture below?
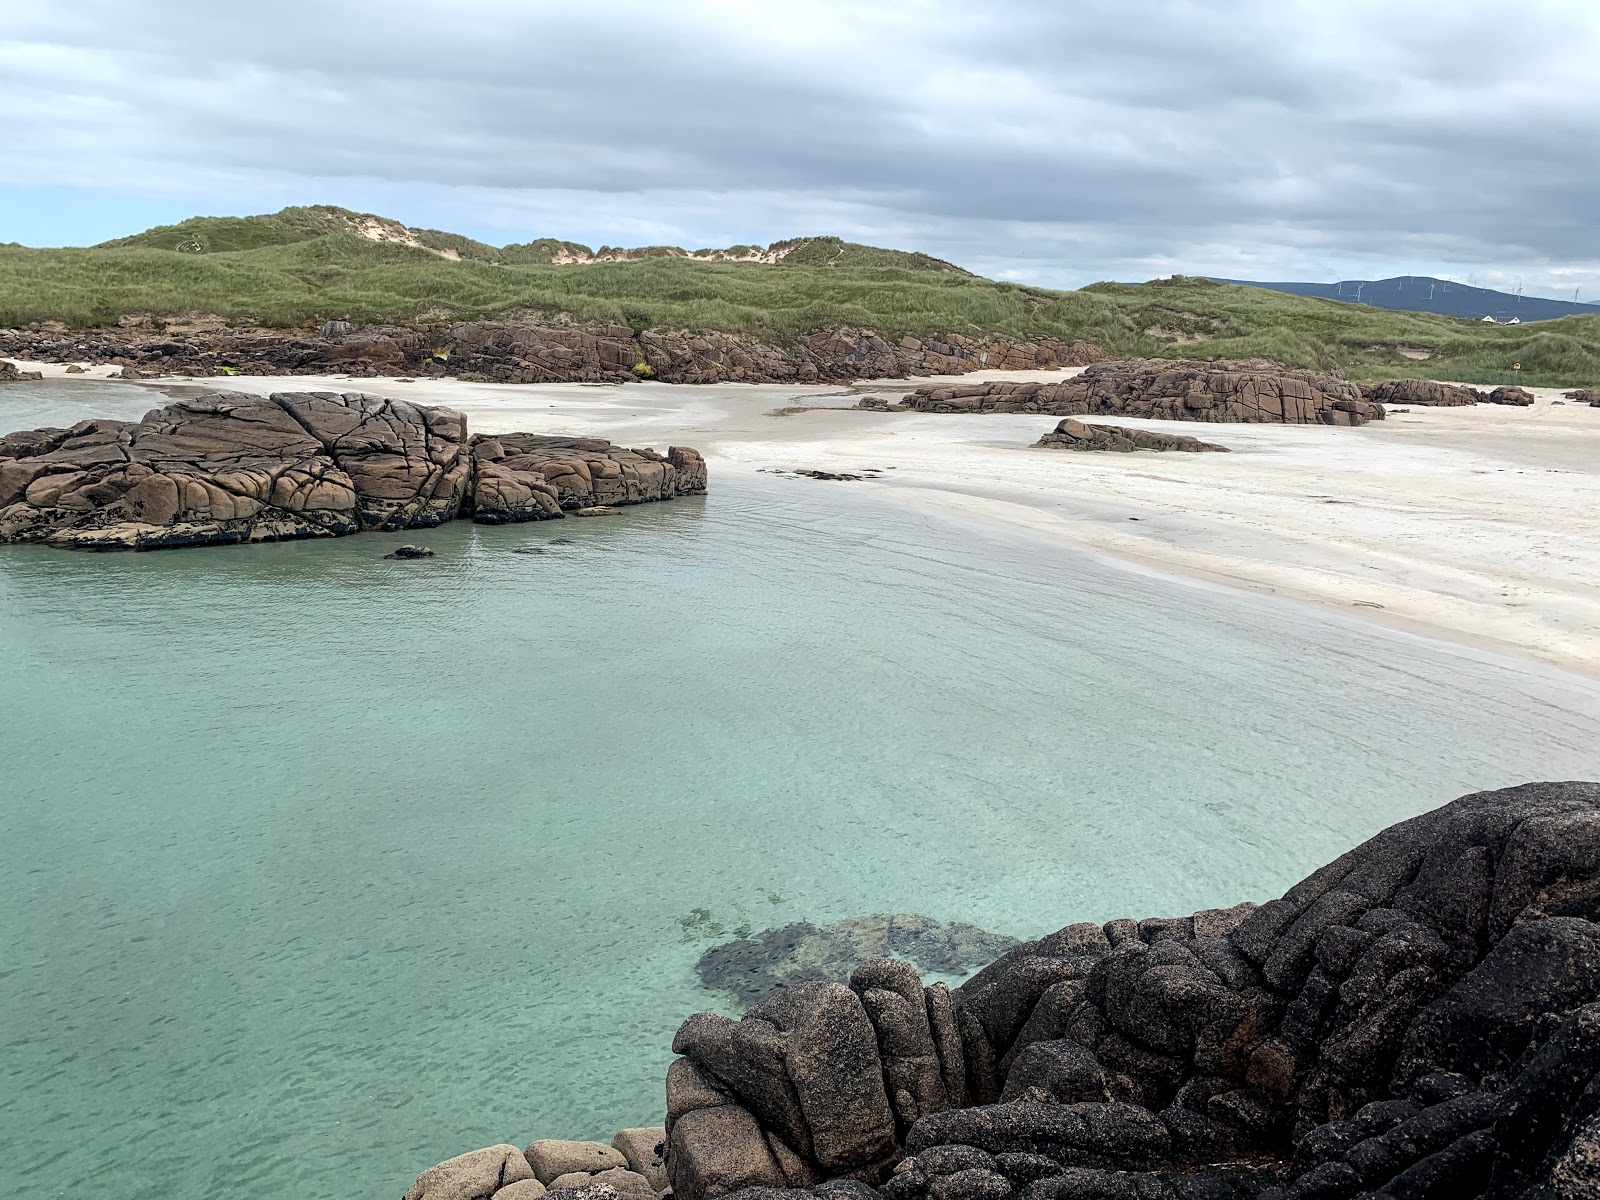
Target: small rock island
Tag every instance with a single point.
(226, 468)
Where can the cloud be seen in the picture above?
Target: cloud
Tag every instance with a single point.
(1059, 143)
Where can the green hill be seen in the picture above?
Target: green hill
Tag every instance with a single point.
(301, 266)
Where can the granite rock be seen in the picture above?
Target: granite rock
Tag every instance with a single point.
(1073, 434)
(1418, 1018)
(1511, 395)
(552, 1158)
(227, 468)
(1173, 390)
(1423, 391)
(468, 1176)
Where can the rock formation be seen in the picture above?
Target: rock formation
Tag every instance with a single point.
(1417, 1019)
(1170, 390)
(1422, 391)
(1589, 396)
(522, 352)
(753, 969)
(227, 468)
(1511, 395)
(10, 374)
(1073, 434)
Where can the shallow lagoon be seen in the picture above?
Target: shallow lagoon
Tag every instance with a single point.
(320, 867)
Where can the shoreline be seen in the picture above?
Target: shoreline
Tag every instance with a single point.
(1478, 526)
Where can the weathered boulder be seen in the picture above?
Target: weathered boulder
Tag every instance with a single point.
(1073, 434)
(226, 468)
(10, 373)
(644, 1149)
(1511, 395)
(1419, 1018)
(1173, 390)
(551, 1158)
(469, 1176)
(1423, 391)
(1589, 396)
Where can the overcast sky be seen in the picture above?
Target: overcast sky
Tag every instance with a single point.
(1057, 141)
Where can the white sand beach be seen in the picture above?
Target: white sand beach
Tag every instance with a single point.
(1479, 524)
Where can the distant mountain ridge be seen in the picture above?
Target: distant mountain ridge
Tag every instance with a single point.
(222, 235)
(1424, 293)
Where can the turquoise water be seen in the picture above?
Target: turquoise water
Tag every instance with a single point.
(320, 868)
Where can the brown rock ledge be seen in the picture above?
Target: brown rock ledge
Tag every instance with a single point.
(227, 468)
(1171, 390)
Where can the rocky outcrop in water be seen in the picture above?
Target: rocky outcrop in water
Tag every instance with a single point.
(754, 969)
(1073, 434)
(228, 468)
(1424, 392)
(1418, 1019)
(523, 352)
(1169, 390)
(1511, 395)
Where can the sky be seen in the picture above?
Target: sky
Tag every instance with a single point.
(1054, 142)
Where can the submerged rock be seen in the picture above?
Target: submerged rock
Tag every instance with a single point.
(226, 468)
(1173, 390)
(410, 552)
(753, 969)
(1073, 434)
(1419, 1018)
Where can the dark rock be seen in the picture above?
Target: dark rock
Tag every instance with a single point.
(1412, 1020)
(410, 552)
(1511, 395)
(973, 1184)
(9, 373)
(1423, 391)
(522, 352)
(1073, 434)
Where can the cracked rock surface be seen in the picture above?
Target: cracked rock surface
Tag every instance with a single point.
(1073, 434)
(1418, 1020)
(1171, 390)
(226, 468)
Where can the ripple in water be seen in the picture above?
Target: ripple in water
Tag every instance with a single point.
(321, 868)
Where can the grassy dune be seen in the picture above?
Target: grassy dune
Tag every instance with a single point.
(303, 266)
